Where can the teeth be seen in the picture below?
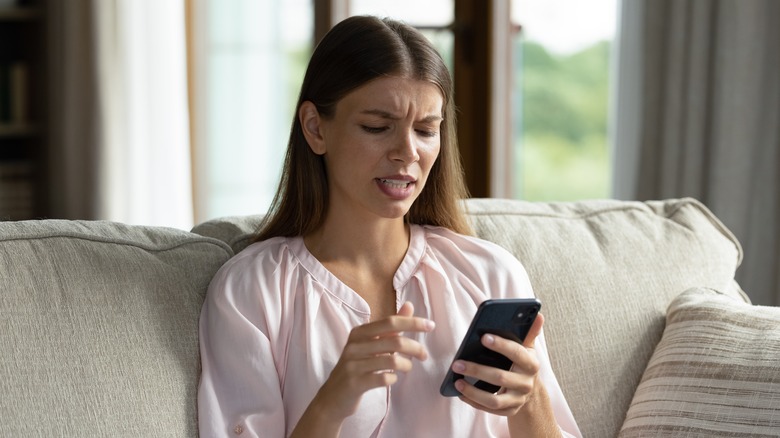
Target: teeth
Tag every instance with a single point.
(395, 183)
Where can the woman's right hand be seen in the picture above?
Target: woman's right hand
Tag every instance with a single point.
(374, 353)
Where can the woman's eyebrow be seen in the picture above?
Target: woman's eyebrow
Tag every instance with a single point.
(386, 115)
(432, 118)
(381, 113)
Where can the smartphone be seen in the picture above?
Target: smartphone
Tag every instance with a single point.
(509, 318)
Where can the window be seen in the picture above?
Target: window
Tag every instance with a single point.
(250, 61)
(561, 97)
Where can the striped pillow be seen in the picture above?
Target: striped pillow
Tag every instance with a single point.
(715, 372)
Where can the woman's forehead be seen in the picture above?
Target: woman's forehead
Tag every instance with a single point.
(394, 96)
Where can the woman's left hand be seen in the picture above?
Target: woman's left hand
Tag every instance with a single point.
(517, 384)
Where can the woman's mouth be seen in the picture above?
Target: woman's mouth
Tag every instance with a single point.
(395, 183)
(397, 189)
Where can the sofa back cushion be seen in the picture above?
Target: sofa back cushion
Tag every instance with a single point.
(605, 271)
(99, 328)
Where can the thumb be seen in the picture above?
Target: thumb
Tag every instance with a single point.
(536, 329)
(407, 309)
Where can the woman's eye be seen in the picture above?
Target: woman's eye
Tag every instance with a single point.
(427, 132)
(374, 129)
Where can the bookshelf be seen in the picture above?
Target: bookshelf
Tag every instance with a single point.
(22, 108)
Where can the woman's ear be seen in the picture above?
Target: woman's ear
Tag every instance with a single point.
(311, 123)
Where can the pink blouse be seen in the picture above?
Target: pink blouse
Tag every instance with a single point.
(275, 321)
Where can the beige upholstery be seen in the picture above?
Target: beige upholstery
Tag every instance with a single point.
(98, 328)
(98, 321)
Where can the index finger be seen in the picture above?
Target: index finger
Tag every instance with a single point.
(393, 325)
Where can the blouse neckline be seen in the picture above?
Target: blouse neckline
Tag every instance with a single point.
(345, 293)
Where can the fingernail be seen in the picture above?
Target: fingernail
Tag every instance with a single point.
(488, 339)
(458, 367)
(459, 385)
(429, 325)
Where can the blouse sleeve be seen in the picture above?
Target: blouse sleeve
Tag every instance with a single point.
(239, 392)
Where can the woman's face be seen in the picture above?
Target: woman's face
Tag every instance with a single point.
(379, 146)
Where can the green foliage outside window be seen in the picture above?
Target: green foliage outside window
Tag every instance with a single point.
(561, 150)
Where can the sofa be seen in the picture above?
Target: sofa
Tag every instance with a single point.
(99, 320)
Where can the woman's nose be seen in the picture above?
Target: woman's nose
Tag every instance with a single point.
(405, 149)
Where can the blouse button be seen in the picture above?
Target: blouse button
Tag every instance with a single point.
(238, 430)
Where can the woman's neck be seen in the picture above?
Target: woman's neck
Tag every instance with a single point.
(374, 242)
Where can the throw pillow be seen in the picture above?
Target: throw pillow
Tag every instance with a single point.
(715, 373)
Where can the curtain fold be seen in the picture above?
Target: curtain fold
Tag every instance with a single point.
(701, 118)
(120, 126)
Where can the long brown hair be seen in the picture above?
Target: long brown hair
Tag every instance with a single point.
(356, 51)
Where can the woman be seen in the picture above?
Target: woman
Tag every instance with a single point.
(343, 317)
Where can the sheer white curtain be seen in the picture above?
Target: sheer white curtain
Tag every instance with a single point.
(128, 159)
(249, 58)
(698, 111)
(143, 98)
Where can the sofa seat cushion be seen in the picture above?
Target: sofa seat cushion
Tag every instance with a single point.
(99, 328)
(716, 372)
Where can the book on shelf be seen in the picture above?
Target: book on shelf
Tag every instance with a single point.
(14, 94)
(18, 76)
(18, 169)
(10, 3)
(16, 190)
(5, 93)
